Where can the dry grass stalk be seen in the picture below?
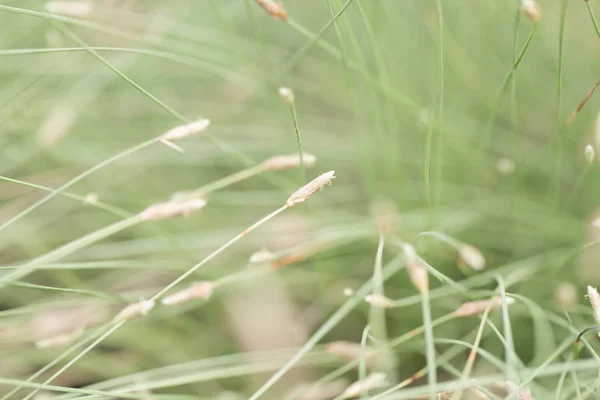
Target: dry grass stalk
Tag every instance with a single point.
(531, 10)
(287, 95)
(594, 299)
(60, 340)
(135, 310)
(274, 9)
(583, 102)
(306, 191)
(170, 209)
(589, 154)
(471, 257)
(471, 308)
(197, 290)
(380, 301)
(80, 9)
(277, 163)
(56, 125)
(373, 381)
(350, 351)
(417, 271)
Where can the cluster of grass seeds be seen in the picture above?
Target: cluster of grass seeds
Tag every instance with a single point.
(449, 260)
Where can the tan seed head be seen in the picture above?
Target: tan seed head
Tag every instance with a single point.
(287, 161)
(287, 95)
(274, 9)
(306, 191)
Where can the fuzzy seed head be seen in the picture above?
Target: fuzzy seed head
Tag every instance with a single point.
(183, 131)
(386, 216)
(198, 290)
(277, 163)
(531, 10)
(471, 308)
(566, 296)
(135, 310)
(594, 299)
(261, 257)
(373, 381)
(350, 351)
(590, 154)
(79, 9)
(287, 95)
(505, 166)
(348, 292)
(380, 301)
(91, 198)
(417, 271)
(56, 125)
(170, 209)
(471, 257)
(60, 340)
(274, 9)
(306, 191)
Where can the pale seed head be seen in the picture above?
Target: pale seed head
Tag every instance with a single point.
(565, 296)
(277, 163)
(183, 131)
(198, 290)
(306, 191)
(531, 10)
(594, 299)
(417, 270)
(348, 292)
(380, 301)
(261, 257)
(78, 9)
(505, 166)
(170, 209)
(471, 256)
(471, 308)
(351, 351)
(373, 381)
(287, 95)
(273, 8)
(135, 310)
(589, 154)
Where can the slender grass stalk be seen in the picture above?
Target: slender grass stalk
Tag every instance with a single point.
(430, 346)
(93, 293)
(427, 166)
(292, 104)
(510, 354)
(473, 354)
(588, 3)
(362, 364)
(67, 249)
(559, 118)
(439, 166)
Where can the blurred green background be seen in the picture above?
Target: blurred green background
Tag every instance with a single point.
(476, 149)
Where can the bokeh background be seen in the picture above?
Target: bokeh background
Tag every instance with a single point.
(467, 145)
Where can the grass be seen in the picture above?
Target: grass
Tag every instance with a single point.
(411, 103)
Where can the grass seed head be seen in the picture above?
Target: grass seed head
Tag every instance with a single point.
(262, 256)
(306, 191)
(505, 166)
(135, 310)
(198, 290)
(594, 299)
(417, 271)
(287, 95)
(56, 125)
(348, 292)
(380, 301)
(80, 9)
(351, 351)
(471, 256)
(274, 9)
(60, 340)
(565, 296)
(472, 308)
(287, 161)
(590, 154)
(373, 381)
(183, 131)
(385, 215)
(170, 209)
(531, 10)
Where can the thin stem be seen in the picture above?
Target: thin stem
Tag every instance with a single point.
(298, 139)
(440, 137)
(430, 346)
(362, 365)
(218, 251)
(588, 3)
(67, 249)
(559, 121)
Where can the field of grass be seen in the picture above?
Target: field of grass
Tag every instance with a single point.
(462, 135)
